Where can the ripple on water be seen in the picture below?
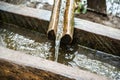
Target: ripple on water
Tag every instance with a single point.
(84, 62)
(20, 43)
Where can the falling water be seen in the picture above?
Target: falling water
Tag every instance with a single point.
(57, 45)
(60, 29)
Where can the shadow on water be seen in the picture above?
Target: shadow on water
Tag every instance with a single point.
(75, 55)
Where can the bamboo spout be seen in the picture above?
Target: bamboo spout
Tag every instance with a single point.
(52, 29)
(68, 27)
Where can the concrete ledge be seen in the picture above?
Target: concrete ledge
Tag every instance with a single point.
(12, 71)
(24, 17)
(54, 68)
(97, 28)
(97, 36)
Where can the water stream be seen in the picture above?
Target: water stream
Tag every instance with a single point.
(57, 45)
(59, 29)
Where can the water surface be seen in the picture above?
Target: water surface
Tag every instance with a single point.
(74, 55)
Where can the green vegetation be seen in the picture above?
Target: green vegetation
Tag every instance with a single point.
(80, 8)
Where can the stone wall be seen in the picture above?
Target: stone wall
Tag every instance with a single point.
(113, 7)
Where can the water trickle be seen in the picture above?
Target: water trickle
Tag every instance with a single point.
(59, 29)
(57, 45)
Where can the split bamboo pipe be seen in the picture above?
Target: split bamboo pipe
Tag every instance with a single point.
(52, 29)
(68, 26)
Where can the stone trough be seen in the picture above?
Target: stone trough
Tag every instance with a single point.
(93, 35)
(16, 66)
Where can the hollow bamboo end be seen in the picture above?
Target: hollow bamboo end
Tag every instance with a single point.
(51, 35)
(66, 39)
